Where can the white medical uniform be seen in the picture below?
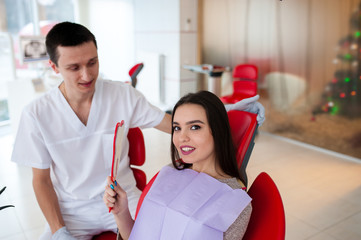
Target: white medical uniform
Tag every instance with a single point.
(51, 136)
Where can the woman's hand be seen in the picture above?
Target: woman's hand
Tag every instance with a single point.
(115, 197)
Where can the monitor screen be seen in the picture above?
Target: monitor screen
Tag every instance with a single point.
(33, 48)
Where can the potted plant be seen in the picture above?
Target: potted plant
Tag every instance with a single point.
(6, 206)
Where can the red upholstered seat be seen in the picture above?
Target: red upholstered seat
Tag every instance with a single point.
(243, 127)
(268, 216)
(137, 155)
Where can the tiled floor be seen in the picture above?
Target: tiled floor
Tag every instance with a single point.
(321, 192)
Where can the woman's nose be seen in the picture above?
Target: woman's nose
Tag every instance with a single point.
(183, 136)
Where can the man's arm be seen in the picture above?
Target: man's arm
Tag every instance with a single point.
(47, 198)
(166, 124)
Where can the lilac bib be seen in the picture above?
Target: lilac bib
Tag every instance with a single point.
(185, 204)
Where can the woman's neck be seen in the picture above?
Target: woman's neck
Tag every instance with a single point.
(210, 169)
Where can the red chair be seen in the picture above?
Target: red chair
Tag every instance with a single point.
(244, 128)
(134, 71)
(144, 193)
(136, 158)
(105, 236)
(244, 83)
(268, 215)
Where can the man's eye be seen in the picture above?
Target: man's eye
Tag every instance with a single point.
(73, 68)
(195, 127)
(92, 63)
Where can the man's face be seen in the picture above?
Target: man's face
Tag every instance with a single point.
(79, 67)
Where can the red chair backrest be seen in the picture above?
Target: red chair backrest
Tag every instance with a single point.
(245, 88)
(105, 236)
(134, 71)
(243, 127)
(268, 216)
(244, 83)
(137, 155)
(245, 71)
(144, 193)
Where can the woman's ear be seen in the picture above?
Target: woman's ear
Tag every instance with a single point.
(53, 66)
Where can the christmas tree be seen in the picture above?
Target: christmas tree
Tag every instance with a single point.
(342, 96)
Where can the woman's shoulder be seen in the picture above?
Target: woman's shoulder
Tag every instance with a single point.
(233, 182)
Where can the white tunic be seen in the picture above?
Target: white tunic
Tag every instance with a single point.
(50, 135)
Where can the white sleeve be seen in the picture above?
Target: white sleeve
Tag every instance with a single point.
(145, 114)
(29, 147)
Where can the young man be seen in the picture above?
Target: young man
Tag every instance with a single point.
(66, 136)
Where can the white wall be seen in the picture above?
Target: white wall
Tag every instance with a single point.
(133, 31)
(161, 27)
(112, 23)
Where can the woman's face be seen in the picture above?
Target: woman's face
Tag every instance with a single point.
(192, 136)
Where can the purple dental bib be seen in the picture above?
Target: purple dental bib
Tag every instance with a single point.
(183, 205)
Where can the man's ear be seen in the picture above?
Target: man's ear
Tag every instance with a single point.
(53, 66)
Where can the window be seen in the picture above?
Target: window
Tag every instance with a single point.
(16, 19)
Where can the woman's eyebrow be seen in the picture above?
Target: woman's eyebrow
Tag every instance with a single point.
(190, 122)
(194, 121)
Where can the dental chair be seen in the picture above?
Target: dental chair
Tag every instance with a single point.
(134, 71)
(244, 83)
(244, 128)
(268, 215)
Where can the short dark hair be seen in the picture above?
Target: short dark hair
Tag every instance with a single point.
(66, 34)
(221, 131)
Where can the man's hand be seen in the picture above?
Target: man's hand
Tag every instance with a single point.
(62, 234)
(249, 105)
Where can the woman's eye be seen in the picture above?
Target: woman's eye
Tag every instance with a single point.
(195, 127)
(175, 128)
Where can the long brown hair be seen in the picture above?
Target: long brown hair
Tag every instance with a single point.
(218, 121)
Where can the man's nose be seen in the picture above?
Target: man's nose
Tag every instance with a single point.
(85, 74)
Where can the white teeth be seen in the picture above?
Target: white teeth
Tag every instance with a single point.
(186, 149)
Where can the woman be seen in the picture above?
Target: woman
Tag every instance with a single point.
(201, 197)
